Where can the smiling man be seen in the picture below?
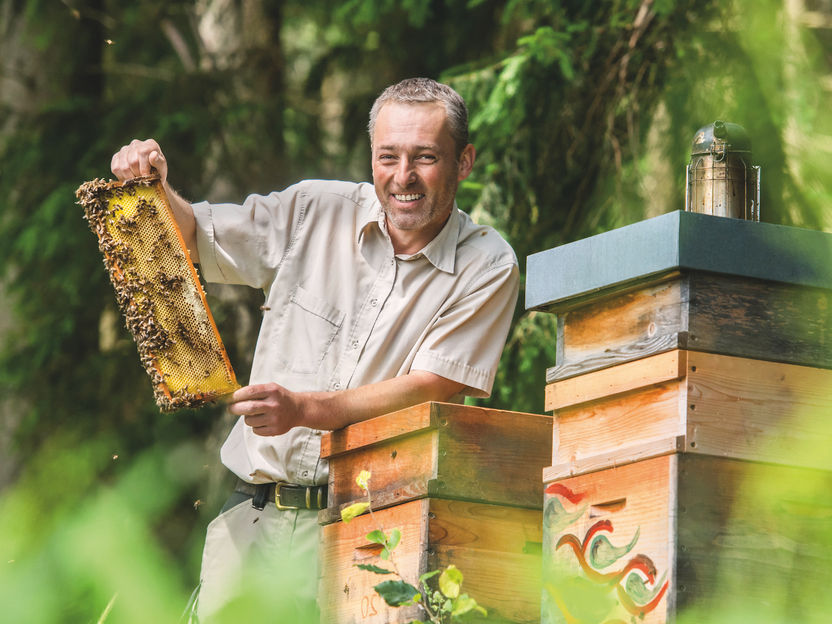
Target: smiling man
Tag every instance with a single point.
(378, 297)
(417, 165)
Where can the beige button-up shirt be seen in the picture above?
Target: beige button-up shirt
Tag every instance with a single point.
(342, 310)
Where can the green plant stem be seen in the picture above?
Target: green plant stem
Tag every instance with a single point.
(424, 601)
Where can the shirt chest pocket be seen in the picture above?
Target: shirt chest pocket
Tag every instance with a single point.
(307, 331)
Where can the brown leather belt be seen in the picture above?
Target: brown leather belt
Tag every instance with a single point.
(284, 495)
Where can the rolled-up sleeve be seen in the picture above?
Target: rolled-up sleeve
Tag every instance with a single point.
(466, 341)
(244, 243)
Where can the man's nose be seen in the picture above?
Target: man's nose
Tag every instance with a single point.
(405, 172)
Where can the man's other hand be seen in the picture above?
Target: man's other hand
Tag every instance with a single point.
(269, 409)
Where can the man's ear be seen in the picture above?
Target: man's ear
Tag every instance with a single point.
(466, 162)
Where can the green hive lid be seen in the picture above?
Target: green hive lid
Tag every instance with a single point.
(680, 240)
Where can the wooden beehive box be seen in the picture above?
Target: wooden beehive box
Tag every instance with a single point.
(496, 547)
(440, 450)
(690, 401)
(463, 486)
(644, 541)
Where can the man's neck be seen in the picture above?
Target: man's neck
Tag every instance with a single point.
(409, 242)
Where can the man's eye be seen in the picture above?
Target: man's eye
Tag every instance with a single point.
(386, 157)
(427, 158)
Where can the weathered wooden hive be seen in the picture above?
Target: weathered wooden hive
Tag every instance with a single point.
(462, 484)
(693, 363)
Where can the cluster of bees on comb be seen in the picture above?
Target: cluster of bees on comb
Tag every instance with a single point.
(157, 291)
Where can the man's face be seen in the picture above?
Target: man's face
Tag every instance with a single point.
(415, 171)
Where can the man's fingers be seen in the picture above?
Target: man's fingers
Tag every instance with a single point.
(255, 392)
(135, 164)
(247, 408)
(158, 162)
(256, 420)
(120, 165)
(138, 159)
(266, 408)
(261, 425)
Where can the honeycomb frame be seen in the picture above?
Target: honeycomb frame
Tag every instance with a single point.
(158, 291)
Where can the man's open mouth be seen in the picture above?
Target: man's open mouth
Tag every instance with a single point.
(408, 198)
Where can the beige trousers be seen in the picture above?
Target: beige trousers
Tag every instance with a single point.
(260, 565)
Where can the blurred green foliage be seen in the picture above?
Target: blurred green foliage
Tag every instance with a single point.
(582, 114)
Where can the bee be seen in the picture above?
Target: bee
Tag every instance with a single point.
(127, 225)
(146, 207)
(185, 334)
(169, 282)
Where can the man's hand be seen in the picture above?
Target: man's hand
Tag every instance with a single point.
(137, 159)
(269, 409)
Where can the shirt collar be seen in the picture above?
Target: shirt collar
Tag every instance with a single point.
(440, 252)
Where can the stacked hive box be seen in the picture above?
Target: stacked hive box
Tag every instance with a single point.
(692, 366)
(462, 484)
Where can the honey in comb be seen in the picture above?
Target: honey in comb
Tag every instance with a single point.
(158, 291)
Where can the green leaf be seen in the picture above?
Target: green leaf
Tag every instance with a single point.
(464, 604)
(363, 479)
(396, 593)
(356, 509)
(395, 538)
(373, 568)
(376, 537)
(450, 581)
(428, 575)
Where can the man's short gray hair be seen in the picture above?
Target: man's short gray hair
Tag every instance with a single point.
(413, 90)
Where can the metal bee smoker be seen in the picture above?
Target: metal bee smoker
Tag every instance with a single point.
(720, 178)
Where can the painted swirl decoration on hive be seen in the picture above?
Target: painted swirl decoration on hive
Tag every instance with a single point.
(605, 565)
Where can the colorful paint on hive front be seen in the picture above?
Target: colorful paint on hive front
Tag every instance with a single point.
(595, 576)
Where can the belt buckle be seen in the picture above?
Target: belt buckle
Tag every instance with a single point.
(277, 487)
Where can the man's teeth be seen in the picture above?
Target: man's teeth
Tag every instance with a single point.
(412, 197)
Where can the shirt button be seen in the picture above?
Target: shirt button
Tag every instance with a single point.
(374, 302)
(337, 385)
(305, 473)
(354, 344)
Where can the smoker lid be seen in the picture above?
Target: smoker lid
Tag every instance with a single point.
(722, 135)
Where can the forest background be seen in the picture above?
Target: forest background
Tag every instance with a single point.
(582, 114)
